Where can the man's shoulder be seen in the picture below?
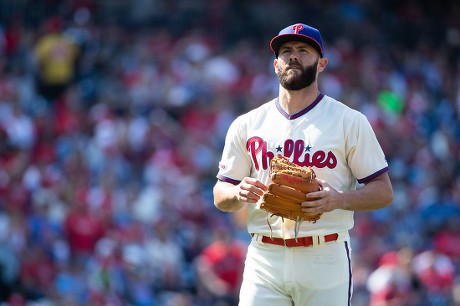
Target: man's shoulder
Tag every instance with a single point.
(334, 102)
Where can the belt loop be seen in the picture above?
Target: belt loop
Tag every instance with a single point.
(318, 241)
(321, 240)
(315, 241)
(256, 237)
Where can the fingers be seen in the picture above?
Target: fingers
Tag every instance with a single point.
(250, 190)
(321, 183)
(325, 189)
(312, 210)
(255, 183)
(316, 201)
(314, 207)
(315, 195)
(322, 201)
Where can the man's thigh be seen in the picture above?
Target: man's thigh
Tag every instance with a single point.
(263, 280)
(258, 294)
(321, 275)
(307, 276)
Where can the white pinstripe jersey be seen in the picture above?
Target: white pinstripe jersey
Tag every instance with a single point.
(337, 141)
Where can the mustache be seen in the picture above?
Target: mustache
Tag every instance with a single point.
(294, 64)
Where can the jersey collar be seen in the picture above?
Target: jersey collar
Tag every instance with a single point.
(300, 113)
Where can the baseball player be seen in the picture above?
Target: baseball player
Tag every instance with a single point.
(308, 265)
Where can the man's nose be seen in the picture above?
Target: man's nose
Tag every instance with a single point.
(293, 56)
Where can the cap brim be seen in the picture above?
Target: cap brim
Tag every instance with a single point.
(277, 41)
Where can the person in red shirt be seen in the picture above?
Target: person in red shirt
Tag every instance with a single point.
(436, 272)
(37, 274)
(83, 230)
(219, 269)
(447, 239)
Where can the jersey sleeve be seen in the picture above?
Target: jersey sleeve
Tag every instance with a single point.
(235, 163)
(364, 153)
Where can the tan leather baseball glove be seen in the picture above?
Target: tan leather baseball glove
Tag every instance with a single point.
(290, 184)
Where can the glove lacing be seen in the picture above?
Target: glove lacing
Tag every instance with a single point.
(296, 226)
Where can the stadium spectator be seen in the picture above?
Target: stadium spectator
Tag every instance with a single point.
(219, 269)
(56, 57)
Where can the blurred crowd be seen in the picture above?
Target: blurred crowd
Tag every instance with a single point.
(112, 120)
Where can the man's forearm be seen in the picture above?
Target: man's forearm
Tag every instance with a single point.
(225, 197)
(374, 195)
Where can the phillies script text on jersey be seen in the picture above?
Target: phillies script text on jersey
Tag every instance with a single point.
(297, 150)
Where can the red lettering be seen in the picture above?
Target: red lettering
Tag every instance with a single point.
(331, 160)
(255, 146)
(306, 161)
(299, 148)
(318, 159)
(288, 147)
(297, 28)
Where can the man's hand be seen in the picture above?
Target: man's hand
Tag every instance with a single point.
(375, 194)
(325, 200)
(229, 197)
(250, 190)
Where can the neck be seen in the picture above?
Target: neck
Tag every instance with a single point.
(294, 101)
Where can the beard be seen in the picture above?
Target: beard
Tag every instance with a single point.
(290, 80)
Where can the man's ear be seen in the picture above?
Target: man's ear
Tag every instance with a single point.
(275, 65)
(322, 63)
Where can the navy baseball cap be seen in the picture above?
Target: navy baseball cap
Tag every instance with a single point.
(298, 32)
